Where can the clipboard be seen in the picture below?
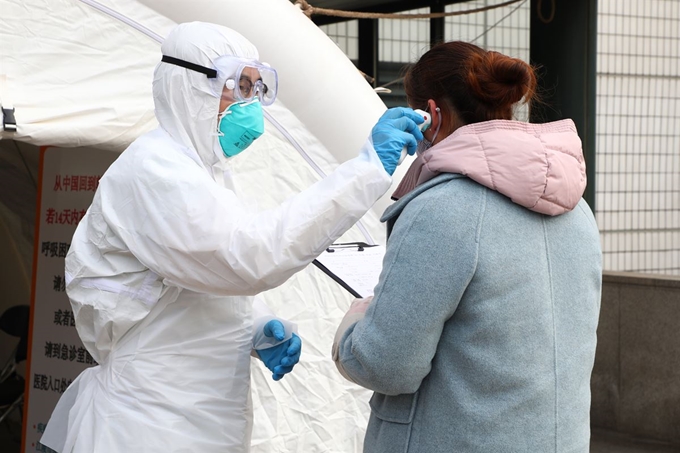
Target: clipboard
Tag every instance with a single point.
(355, 266)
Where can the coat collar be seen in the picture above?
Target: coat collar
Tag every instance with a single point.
(393, 211)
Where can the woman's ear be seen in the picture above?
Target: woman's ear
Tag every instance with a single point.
(446, 120)
(435, 114)
(434, 111)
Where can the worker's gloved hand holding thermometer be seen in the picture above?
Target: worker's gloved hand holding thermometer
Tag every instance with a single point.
(398, 128)
(425, 125)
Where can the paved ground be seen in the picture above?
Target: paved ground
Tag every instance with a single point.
(606, 442)
(602, 442)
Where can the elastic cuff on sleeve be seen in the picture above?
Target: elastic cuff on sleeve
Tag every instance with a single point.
(260, 341)
(368, 154)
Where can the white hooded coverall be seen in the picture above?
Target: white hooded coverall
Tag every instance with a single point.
(162, 271)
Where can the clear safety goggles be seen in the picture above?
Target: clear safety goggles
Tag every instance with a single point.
(246, 79)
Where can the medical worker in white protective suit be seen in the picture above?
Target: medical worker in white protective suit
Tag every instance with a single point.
(162, 270)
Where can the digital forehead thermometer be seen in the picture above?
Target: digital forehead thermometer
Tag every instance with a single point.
(423, 127)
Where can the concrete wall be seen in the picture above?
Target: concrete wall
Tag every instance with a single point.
(636, 378)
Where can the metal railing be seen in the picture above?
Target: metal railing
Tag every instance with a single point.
(638, 135)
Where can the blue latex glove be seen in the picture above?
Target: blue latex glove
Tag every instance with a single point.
(398, 127)
(280, 359)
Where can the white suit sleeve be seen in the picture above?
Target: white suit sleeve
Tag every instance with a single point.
(197, 235)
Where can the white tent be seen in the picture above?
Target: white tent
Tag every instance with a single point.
(78, 74)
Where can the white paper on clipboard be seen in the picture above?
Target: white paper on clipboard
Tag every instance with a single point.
(355, 266)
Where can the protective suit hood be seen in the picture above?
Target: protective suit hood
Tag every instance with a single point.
(185, 102)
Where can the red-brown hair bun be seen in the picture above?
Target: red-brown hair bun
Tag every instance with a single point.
(471, 83)
(499, 80)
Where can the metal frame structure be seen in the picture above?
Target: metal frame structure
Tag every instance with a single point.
(564, 45)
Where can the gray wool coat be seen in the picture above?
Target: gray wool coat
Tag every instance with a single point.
(481, 335)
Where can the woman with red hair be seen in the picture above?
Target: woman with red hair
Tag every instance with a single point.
(481, 334)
